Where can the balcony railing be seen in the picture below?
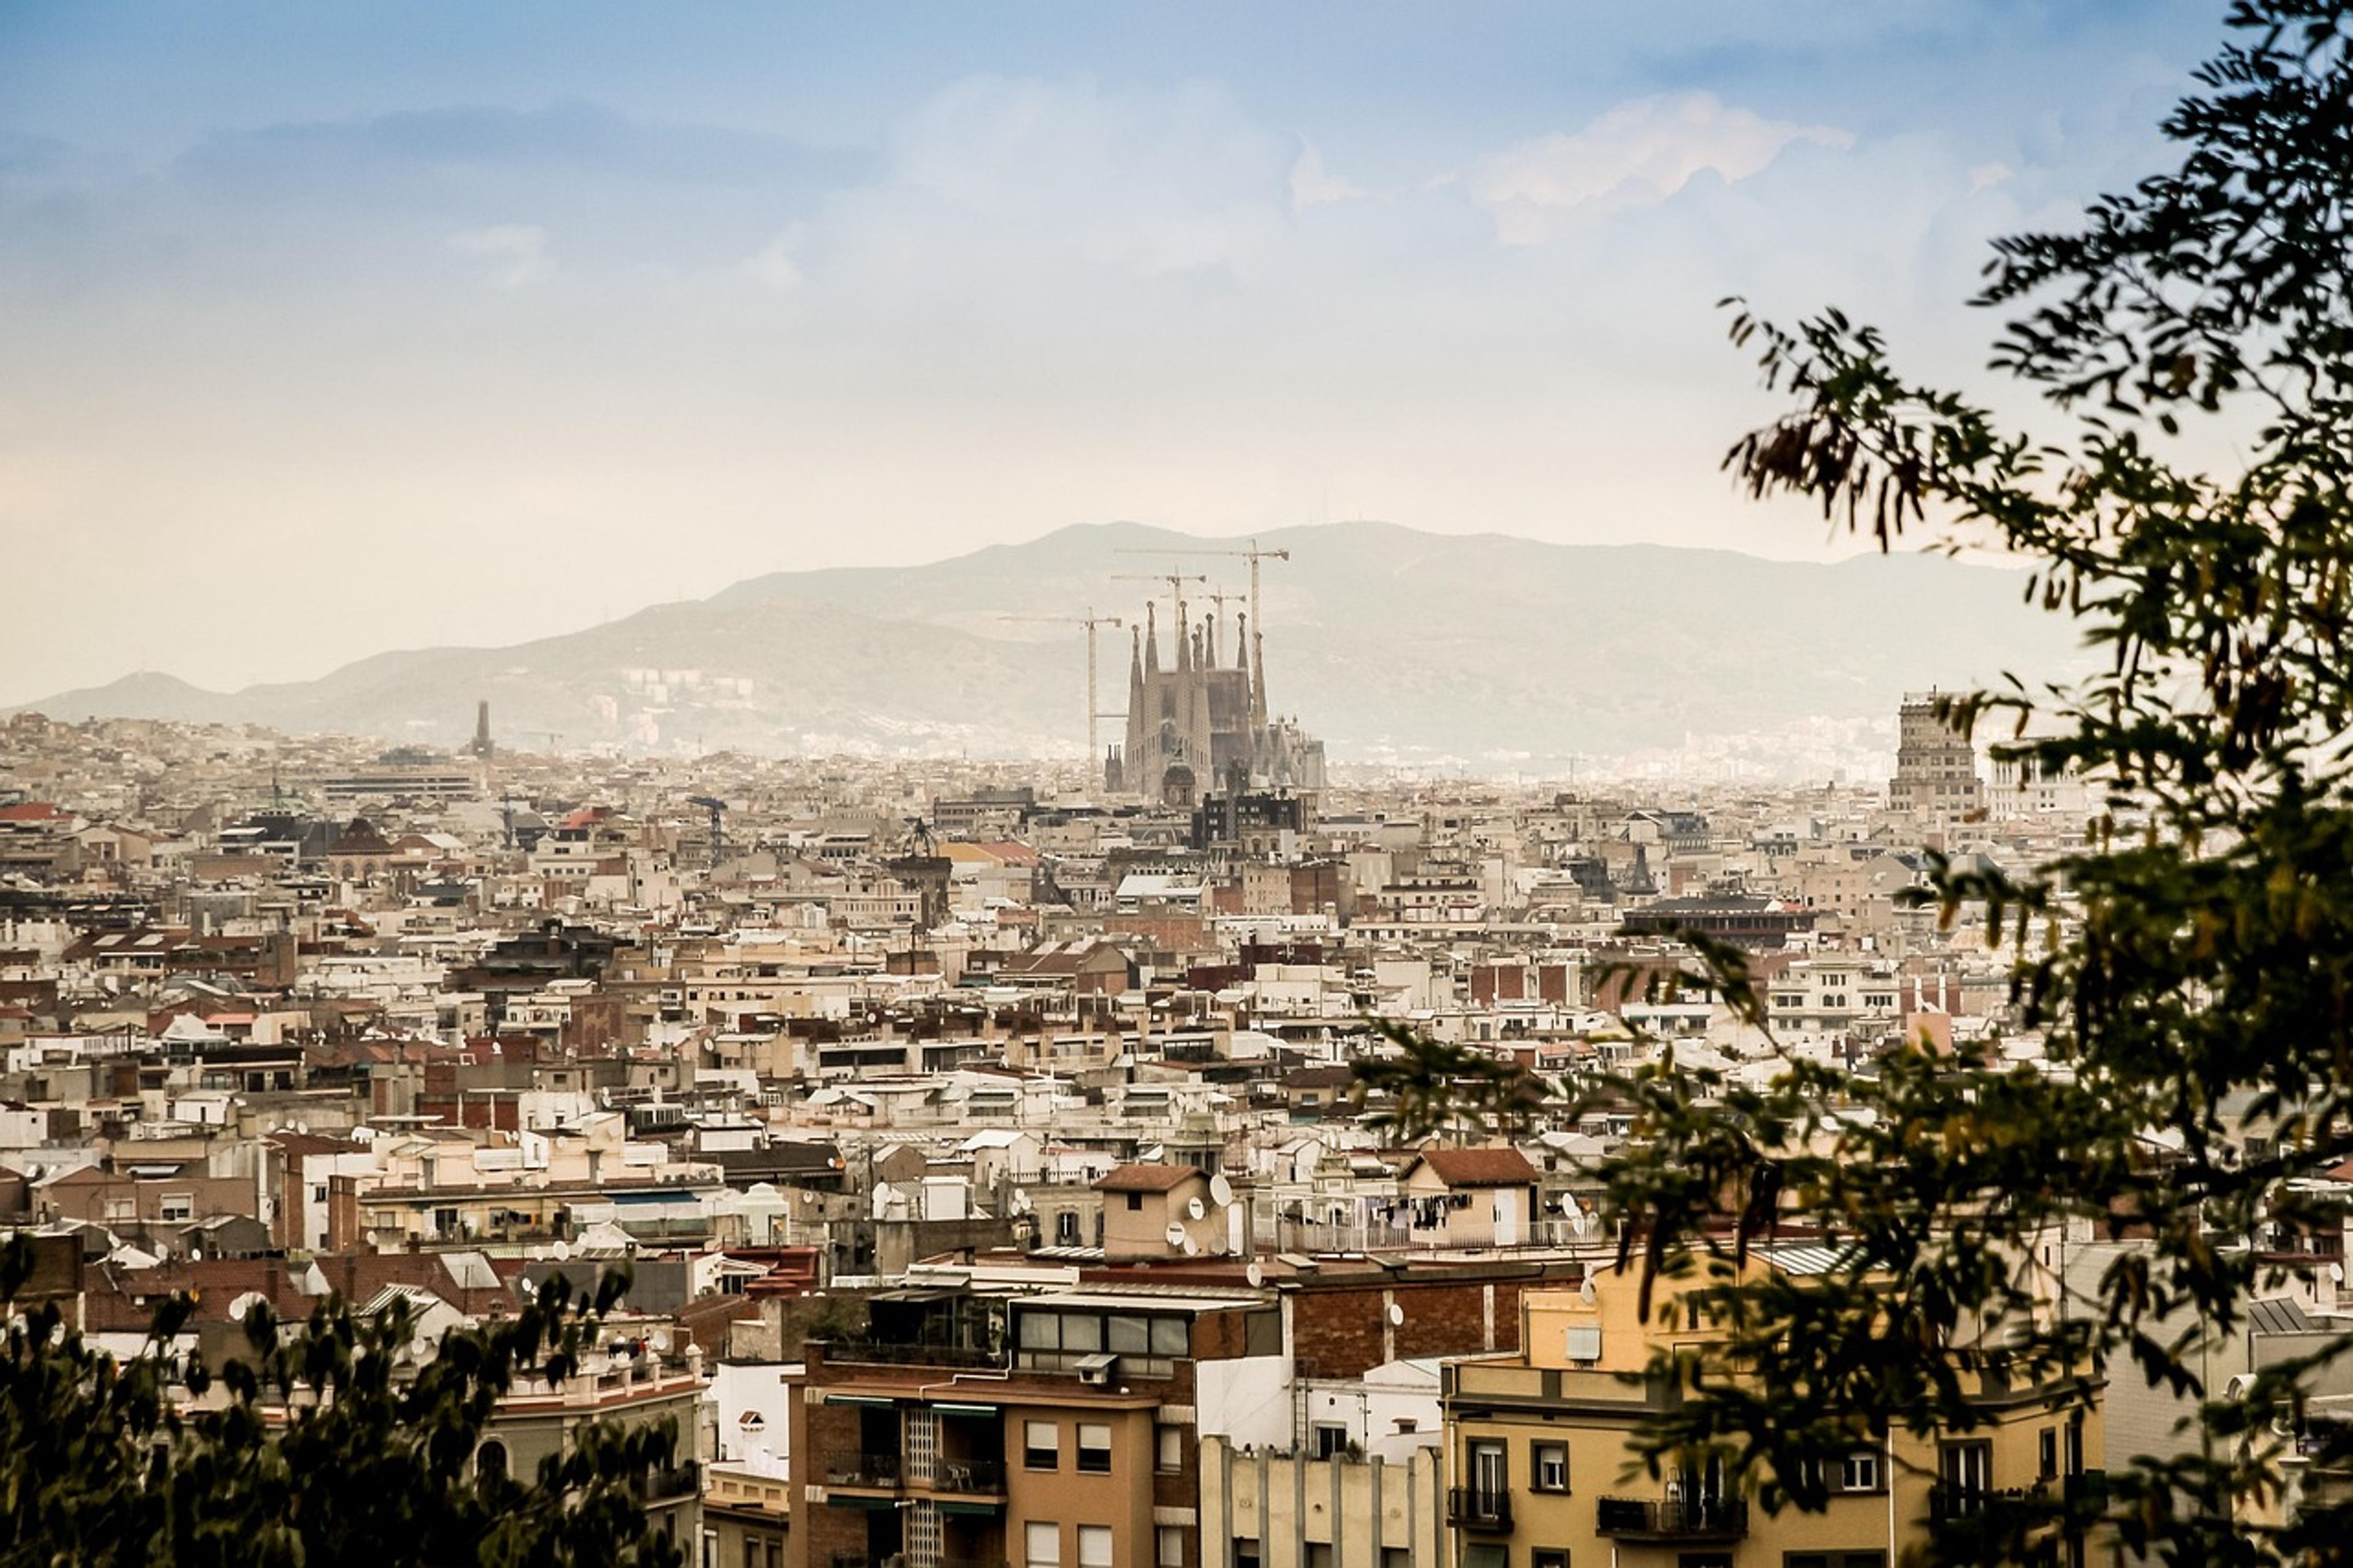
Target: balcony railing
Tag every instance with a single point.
(874, 1352)
(1671, 1518)
(861, 1470)
(684, 1480)
(1476, 1508)
(974, 1477)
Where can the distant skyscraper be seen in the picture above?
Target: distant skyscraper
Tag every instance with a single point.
(1936, 766)
(482, 746)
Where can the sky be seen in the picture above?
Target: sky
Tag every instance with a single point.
(331, 329)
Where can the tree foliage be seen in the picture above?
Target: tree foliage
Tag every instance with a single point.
(2190, 966)
(325, 1443)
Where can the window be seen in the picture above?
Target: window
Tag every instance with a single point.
(2075, 1445)
(1094, 1449)
(318, 1194)
(1095, 1546)
(1041, 1444)
(1168, 1547)
(2047, 1453)
(1834, 1560)
(1965, 1472)
(1246, 1552)
(1135, 1202)
(1584, 1342)
(491, 1461)
(1548, 1466)
(1490, 1469)
(1860, 1472)
(1545, 1557)
(1319, 1554)
(176, 1206)
(1329, 1439)
(1041, 1544)
(1397, 1557)
(1168, 1447)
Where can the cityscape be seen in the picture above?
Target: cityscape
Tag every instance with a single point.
(715, 852)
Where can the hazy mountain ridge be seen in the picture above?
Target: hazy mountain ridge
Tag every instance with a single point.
(1384, 640)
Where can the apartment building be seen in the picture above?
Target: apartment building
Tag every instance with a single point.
(1542, 1468)
(1054, 1430)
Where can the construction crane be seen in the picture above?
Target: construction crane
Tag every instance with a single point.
(1253, 555)
(1094, 704)
(718, 836)
(1176, 581)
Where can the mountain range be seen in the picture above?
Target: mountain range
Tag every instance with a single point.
(1389, 643)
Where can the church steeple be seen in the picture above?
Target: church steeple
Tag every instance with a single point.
(1151, 638)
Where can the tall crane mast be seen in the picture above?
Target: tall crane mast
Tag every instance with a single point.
(1094, 703)
(1253, 554)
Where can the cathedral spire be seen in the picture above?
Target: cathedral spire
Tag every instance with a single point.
(1258, 680)
(1151, 638)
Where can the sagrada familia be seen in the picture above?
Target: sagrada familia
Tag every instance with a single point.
(1201, 727)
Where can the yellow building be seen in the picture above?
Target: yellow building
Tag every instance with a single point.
(1541, 1467)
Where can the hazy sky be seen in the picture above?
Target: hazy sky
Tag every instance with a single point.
(329, 329)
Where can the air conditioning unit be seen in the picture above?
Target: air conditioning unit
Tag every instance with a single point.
(1095, 1371)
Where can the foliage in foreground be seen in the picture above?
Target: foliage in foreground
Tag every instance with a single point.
(328, 1445)
(2203, 976)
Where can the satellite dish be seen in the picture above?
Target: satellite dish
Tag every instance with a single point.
(659, 1340)
(1397, 1316)
(1176, 1233)
(1585, 1292)
(1196, 1208)
(561, 1250)
(1192, 1247)
(1579, 1221)
(1568, 1203)
(1020, 1201)
(1222, 1191)
(2337, 1274)
(1255, 1275)
(244, 1304)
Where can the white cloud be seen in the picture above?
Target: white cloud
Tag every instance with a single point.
(517, 251)
(1313, 185)
(1638, 154)
(1987, 175)
(775, 264)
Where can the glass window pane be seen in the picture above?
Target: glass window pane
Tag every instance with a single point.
(1085, 1334)
(1129, 1336)
(1168, 1337)
(1095, 1546)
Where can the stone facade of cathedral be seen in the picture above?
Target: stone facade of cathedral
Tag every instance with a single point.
(1199, 725)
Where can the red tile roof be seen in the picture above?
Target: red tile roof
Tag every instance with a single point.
(1480, 1167)
(1141, 1178)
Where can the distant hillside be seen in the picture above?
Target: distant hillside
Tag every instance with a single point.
(1386, 641)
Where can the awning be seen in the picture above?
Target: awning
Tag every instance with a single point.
(983, 1411)
(864, 1504)
(987, 1510)
(862, 1401)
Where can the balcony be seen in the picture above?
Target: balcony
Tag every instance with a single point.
(1475, 1508)
(674, 1482)
(876, 1470)
(872, 1352)
(1670, 1518)
(1947, 1502)
(969, 1477)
